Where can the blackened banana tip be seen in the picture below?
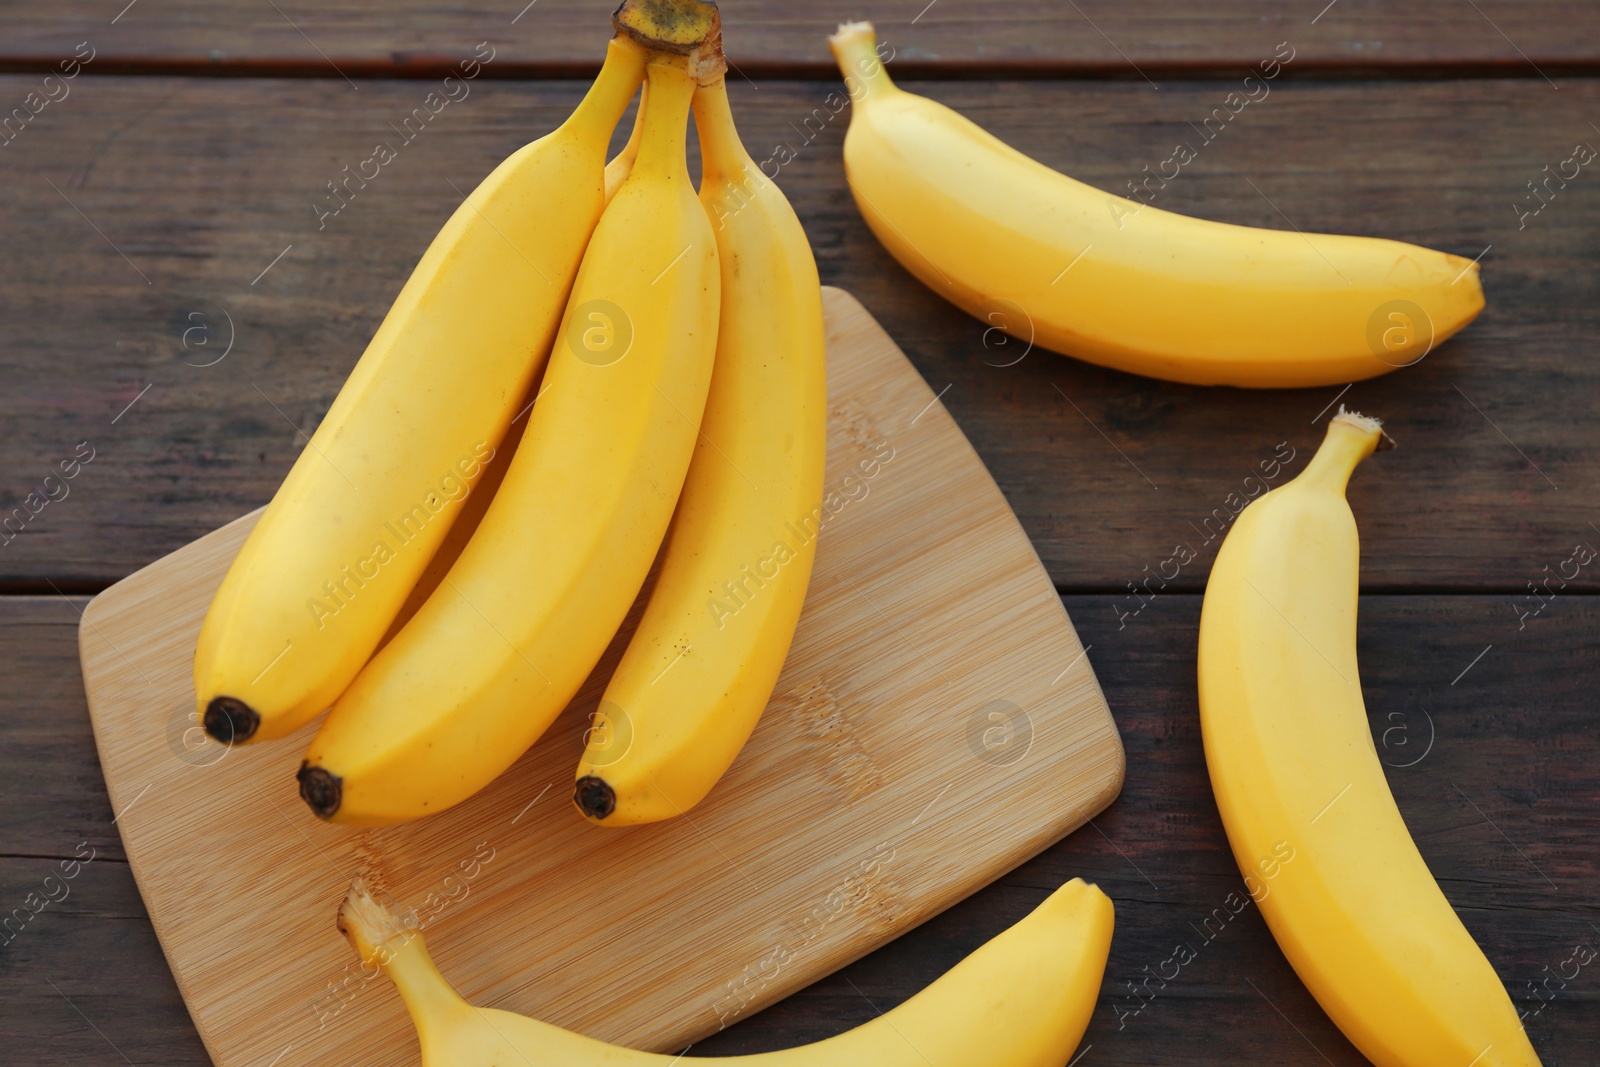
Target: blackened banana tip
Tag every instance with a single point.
(320, 790)
(230, 720)
(594, 797)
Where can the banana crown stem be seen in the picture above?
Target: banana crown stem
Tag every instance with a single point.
(666, 117)
(722, 154)
(1351, 438)
(668, 25)
(381, 941)
(688, 28)
(597, 113)
(855, 49)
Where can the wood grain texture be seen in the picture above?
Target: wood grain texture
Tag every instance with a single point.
(1106, 471)
(1515, 748)
(1093, 37)
(935, 725)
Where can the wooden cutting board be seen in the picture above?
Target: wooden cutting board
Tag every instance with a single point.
(936, 724)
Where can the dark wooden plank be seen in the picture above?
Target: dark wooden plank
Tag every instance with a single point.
(85, 981)
(52, 794)
(82, 977)
(142, 212)
(1503, 804)
(1156, 38)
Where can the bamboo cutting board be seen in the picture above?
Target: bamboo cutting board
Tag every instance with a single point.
(936, 723)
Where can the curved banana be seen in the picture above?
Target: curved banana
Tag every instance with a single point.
(700, 668)
(1302, 792)
(462, 530)
(622, 163)
(1021, 1000)
(1125, 285)
(368, 502)
(521, 619)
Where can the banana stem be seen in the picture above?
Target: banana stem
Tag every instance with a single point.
(1352, 437)
(855, 49)
(666, 117)
(621, 165)
(688, 28)
(678, 26)
(380, 941)
(630, 151)
(722, 154)
(597, 113)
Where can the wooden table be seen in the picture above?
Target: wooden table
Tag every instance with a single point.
(162, 205)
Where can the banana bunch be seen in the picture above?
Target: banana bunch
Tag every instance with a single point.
(734, 571)
(1047, 258)
(366, 507)
(1023, 1000)
(676, 347)
(1302, 792)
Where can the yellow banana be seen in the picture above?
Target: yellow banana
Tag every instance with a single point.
(617, 170)
(1126, 285)
(1021, 1000)
(521, 619)
(1302, 792)
(701, 666)
(367, 504)
(455, 542)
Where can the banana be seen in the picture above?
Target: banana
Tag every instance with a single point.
(622, 163)
(473, 510)
(1021, 1000)
(700, 668)
(539, 591)
(1302, 792)
(367, 504)
(1127, 285)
